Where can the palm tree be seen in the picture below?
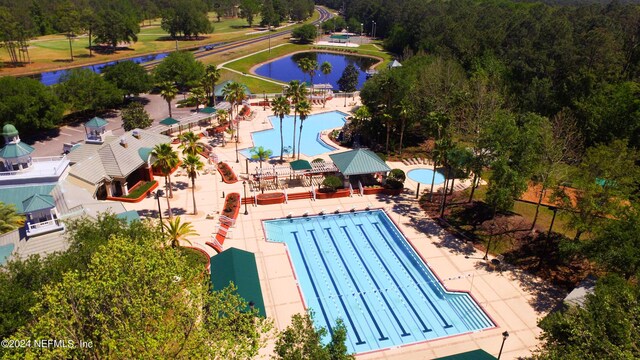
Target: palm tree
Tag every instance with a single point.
(223, 117)
(192, 164)
(211, 77)
(168, 91)
(179, 231)
(166, 159)
(304, 109)
(296, 92)
(190, 144)
(281, 107)
(234, 93)
(308, 66)
(403, 112)
(9, 219)
(198, 95)
(326, 69)
(261, 154)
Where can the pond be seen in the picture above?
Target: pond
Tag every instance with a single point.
(286, 69)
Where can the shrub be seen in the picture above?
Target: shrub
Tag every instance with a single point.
(394, 184)
(382, 156)
(397, 174)
(332, 183)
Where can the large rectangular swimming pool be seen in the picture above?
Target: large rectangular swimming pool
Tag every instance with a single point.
(360, 268)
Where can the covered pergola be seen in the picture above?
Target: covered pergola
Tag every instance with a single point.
(359, 162)
(238, 266)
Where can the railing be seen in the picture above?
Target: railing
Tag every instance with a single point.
(360, 188)
(43, 224)
(62, 162)
(350, 190)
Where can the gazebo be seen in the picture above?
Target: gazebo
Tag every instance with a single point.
(238, 266)
(359, 162)
(15, 155)
(95, 129)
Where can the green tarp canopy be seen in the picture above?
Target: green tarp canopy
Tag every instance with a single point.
(359, 161)
(299, 165)
(238, 266)
(470, 355)
(169, 121)
(208, 110)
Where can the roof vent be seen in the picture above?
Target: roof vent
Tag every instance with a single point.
(123, 142)
(136, 133)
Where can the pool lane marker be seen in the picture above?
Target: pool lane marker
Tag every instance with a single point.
(446, 324)
(313, 283)
(335, 287)
(425, 328)
(375, 283)
(355, 284)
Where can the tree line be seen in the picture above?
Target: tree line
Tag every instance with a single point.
(130, 292)
(522, 92)
(110, 23)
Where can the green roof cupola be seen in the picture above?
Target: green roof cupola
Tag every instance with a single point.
(95, 129)
(15, 155)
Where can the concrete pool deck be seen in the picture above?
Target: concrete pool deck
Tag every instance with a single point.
(515, 301)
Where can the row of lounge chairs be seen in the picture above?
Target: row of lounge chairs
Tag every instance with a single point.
(416, 161)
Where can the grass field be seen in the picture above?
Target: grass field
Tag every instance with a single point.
(51, 52)
(256, 86)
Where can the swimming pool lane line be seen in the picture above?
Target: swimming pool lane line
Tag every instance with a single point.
(355, 284)
(446, 324)
(375, 283)
(313, 284)
(335, 286)
(425, 328)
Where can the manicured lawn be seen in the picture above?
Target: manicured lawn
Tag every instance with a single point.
(140, 189)
(256, 86)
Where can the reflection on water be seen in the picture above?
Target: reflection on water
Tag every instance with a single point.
(286, 69)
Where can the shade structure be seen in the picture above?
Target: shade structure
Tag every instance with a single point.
(169, 121)
(470, 355)
(359, 161)
(299, 165)
(238, 266)
(96, 122)
(208, 110)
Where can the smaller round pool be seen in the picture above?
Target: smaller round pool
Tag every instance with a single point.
(424, 176)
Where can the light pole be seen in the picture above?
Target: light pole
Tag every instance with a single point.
(237, 160)
(244, 186)
(505, 335)
(373, 29)
(157, 196)
(264, 103)
(317, 32)
(361, 31)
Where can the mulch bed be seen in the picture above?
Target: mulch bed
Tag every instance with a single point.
(528, 250)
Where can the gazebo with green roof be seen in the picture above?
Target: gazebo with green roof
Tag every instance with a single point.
(238, 266)
(15, 154)
(359, 162)
(94, 130)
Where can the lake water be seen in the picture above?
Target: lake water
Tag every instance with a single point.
(286, 69)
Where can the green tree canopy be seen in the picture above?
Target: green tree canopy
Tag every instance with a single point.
(305, 34)
(606, 327)
(116, 23)
(129, 77)
(186, 18)
(82, 89)
(349, 80)
(180, 67)
(29, 105)
(135, 116)
(302, 340)
(133, 302)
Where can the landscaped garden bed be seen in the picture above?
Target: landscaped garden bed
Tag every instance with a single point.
(323, 194)
(371, 190)
(138, 192)
(158, 171)
(270, 198)
(228, 176)
(231, 206)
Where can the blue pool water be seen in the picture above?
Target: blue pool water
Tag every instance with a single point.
(286, 69)
(359, 267)
(5, 253)
(311, 143)
(424, 176)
